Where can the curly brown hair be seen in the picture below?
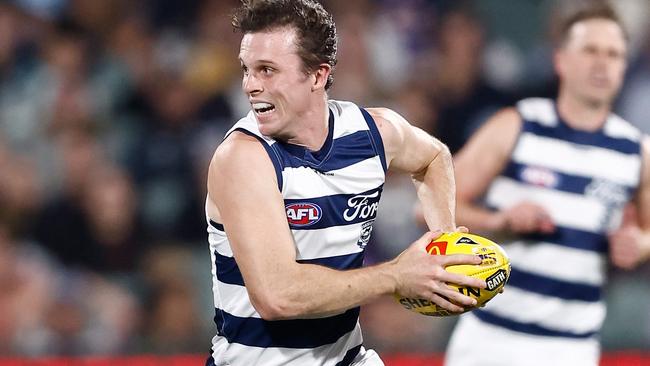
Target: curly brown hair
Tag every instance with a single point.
(315, 28)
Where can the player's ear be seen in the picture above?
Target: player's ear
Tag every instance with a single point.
(320, 76)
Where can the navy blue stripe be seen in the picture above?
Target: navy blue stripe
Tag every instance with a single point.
(377, 141)
(561, 182)
(209, 361)
(349, 356)
(572, 238)
(346, 361)
(595, 139)
(298, 333)
(339, 209)
(529, 328)
(217, 225)
(273, 155)
(228, 270)
(347, 150)
(552, 287)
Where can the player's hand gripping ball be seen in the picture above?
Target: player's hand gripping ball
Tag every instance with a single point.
(494, 269)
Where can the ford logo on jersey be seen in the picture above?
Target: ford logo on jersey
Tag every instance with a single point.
(303, 213)
(362, 206)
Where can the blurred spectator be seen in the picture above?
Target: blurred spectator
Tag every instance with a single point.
(20, 192)
(173, 325)
(163, 164)
(463, 97)
(94, 224)
(46, 309)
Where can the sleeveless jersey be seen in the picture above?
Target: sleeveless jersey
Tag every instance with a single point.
(583, 179)
(331, 198)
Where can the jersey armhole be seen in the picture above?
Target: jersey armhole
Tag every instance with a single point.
(375, 138)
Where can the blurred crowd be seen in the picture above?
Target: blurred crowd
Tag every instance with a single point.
(110, 111)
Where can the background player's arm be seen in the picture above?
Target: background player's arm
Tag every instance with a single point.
(478, 163)
(630, 245)
(243, 187)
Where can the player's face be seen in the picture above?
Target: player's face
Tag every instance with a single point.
(591, 64)
(275, 81)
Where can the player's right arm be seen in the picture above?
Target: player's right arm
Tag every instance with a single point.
(478, 163)
(243, 188)
(629, 245)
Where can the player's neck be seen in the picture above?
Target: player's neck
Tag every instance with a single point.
(582, 115)
(314, 127)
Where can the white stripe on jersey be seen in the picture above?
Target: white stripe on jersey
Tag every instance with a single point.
(231, 296)
(245, 355)
(569, 158)
(558, 262)
(353, 178)
(213, 270)
(340, 240)
(217, 242)
(231, 301)
(566, 209)
(539, 110)
(550, 312)
(349, 112)
(617, 127)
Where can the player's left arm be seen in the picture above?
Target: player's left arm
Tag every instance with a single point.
(411, 150)
(630, 245)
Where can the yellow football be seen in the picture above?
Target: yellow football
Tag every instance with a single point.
(494, 269)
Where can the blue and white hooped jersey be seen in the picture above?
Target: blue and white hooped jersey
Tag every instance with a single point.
(583, 179)
(331, 198)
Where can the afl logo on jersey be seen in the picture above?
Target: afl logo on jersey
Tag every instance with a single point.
(303, 214)
(539, 176)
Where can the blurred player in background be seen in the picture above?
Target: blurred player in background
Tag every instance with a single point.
(555, 176)
(292, 195)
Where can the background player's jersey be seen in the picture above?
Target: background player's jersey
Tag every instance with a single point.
(583, 179)
(331, 198)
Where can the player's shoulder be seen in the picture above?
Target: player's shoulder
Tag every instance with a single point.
(384, 114)
(238, 145)
(497, 136)
(239, 151)
(391, 126)
(540, 110)
(617, 127)
(505, 119)
(240, 161)
(387, 120)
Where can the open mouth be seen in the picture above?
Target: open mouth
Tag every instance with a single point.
(263, 108)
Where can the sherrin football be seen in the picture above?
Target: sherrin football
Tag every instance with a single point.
(494, 269)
